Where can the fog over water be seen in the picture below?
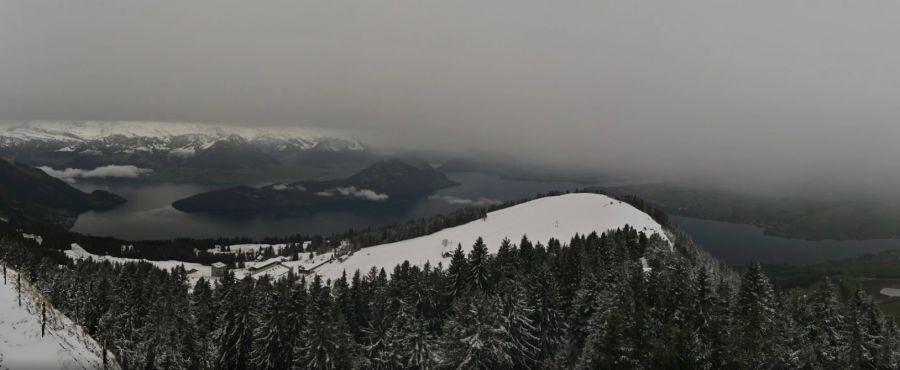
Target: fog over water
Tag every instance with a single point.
(769, 96)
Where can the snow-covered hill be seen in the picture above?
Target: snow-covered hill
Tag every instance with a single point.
(559, 217)
(184, 139)
(64, 346)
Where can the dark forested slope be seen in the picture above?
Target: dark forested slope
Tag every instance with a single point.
(28, 195)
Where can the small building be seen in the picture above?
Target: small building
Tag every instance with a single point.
(268, 264)
(219, 269)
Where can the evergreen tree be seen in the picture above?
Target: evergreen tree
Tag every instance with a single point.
(477, 335)
(827, 326)
(756, 313)
(273, 342)
(548, 318)
(406, 344)
(506, 260)
(234, 338)
(523, 333)
(479, 268)
(204, 316)
(458, 272)
(326, 343)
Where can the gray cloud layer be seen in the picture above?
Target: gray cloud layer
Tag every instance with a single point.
(757, 93)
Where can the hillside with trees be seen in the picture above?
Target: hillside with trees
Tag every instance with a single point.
(620, 299)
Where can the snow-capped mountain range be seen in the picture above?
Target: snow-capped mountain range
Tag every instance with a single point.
(181, 139)
(185, 151)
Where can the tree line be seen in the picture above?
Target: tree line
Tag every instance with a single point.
(620, 299)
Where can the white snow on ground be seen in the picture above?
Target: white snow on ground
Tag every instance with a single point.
(890, 292)
(65, 345)
(559, 217)
(37, 238)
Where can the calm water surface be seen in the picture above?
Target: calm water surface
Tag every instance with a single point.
(739, 244)
(149, 214)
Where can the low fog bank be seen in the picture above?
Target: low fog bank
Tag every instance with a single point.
(72, 175)
(808, 165)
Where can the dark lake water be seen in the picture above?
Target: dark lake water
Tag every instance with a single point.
(739, 244)
(149, 214)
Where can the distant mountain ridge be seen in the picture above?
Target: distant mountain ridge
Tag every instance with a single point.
(388, 181)
(28, 195)
(183, 138)
(185, 151)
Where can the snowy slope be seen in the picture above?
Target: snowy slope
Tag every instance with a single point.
(559, 217)
(65, 345)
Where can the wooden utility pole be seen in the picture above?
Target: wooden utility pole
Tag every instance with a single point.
(19, 288)
(104, 352)
(43, 319)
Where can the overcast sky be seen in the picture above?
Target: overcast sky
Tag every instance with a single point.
(751, 92)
